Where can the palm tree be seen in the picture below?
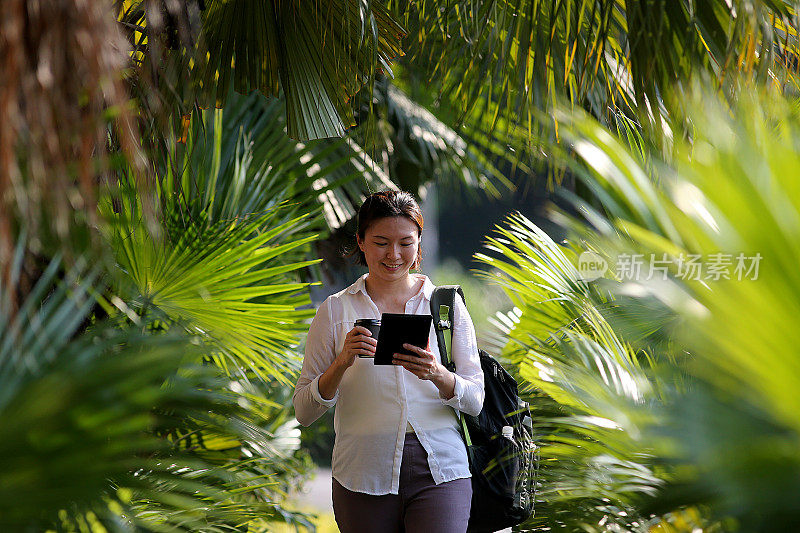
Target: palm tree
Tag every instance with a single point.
(667, 402)
(83, 409)
(318, 56)
(203, 446)
(209, 254)
(502, 65)
(494, 61)
(193, 238)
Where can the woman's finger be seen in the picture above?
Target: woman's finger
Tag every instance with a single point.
(360, 330)
(368, 348)
(423, 367)
(409, 358)
(410, 364)
(361, 338)
(411, 367)
(362, 343)
(417, 350)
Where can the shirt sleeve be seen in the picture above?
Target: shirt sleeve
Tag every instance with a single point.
(469, 391)
(309, 405)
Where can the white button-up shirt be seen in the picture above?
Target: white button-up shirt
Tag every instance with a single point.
(375, 404)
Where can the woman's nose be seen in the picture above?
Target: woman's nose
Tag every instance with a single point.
(394, 251)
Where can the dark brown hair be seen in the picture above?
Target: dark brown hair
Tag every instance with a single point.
(386, 204)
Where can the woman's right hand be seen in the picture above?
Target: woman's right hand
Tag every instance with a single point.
(357, 342)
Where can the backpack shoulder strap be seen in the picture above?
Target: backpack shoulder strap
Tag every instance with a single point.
(443, 302)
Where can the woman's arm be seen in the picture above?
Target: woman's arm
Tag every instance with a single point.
(468, 391)
(357, 342)
(309, 405)
(317, 387)
(462, 389)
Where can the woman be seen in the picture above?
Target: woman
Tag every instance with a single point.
(399, 462)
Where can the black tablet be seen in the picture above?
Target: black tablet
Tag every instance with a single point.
(398, 329)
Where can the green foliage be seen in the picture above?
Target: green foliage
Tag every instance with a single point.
(317, 57)
(484, 300)
(418, 148)
(213, 277)
(214, 280)
(666, 401)
(502, 65)
(731, 192)
(228, 163)
(83, 407)
(149, 392)
(585, 385)
(235, 234)
(223, 266)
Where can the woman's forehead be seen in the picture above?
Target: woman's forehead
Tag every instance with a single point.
(393, 226)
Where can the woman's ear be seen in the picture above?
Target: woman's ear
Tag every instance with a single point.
(360, 243)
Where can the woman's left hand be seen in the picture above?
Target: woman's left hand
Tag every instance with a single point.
(423, 365)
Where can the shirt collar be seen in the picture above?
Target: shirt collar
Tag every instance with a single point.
(361, 286)
(427, 287)
(358, 286)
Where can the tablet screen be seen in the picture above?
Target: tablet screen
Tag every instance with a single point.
(397, 329)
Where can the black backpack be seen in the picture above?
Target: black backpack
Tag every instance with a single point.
(503, 470)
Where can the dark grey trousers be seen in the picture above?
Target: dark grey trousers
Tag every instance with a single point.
(421, 507)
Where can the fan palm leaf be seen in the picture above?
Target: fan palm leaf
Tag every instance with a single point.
(318, 55)
(243, 157)
(503, 64)
(216, 282)
(716, 424)
(564, 348)
(81, 410)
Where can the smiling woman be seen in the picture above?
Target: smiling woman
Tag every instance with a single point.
(389, 232)
(398, 460)
(390, 248)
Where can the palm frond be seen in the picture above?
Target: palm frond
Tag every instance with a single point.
(592, 455)
(317, 56)
(82, 410)
(503, 63)
(227, 282)
(241, 155)
(418, 149)
(721, 423)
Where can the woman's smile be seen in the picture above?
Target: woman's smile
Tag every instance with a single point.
(390, 247)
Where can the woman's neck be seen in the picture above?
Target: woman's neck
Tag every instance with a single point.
(391, 296)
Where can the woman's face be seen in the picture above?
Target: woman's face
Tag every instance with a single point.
(390, 246)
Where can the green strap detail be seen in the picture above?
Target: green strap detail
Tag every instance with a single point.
(444, 316)
(464, 429)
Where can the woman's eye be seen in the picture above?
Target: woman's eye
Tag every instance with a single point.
(405, 245)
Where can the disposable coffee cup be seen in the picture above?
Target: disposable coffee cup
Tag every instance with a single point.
(373, 325)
